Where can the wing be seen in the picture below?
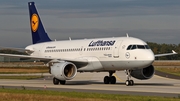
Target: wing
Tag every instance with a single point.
(77, 62)
(17, 49)
(166, 54)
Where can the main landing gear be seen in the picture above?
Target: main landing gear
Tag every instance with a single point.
(129, 82)
(57, 81)
(110, 79)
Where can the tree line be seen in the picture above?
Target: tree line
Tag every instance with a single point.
(165, 48)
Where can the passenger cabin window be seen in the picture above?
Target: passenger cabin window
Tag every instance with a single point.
(132, 47)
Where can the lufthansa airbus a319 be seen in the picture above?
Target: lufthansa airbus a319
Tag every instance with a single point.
(66, 58)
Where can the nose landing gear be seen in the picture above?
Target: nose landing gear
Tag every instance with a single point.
(129, 82)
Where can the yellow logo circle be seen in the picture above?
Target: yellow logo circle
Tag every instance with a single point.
(34, 22)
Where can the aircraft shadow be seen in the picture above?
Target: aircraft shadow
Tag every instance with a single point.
(89, 82)
(121, 83)
(83, 82)
(153, 84)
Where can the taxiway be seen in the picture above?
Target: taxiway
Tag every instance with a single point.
(93, 82)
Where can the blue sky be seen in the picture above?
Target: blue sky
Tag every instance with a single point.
(150, 20)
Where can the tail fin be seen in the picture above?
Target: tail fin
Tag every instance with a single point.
(38, 33)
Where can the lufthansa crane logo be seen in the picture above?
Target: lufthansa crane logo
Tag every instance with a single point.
(127, 55)
(34, 22)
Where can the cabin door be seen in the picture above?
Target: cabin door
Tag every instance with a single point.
(116, 49)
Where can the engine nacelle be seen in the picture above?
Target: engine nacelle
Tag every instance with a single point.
(64, 70)
(143, 74)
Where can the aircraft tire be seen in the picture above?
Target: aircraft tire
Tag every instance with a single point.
(106, 80)
(127, 83)
(131, 82)
(113, 80)
(55, 81)
(62, 82)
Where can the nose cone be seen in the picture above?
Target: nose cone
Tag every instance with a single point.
(149, 57)
(146, 55)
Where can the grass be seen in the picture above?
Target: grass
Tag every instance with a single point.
(21, 77)
(168, 67)
(166, 63)
(43, 95)
(24, 70)
(170, 70)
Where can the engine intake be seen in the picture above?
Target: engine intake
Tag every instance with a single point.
(143, 74)
(64, 70)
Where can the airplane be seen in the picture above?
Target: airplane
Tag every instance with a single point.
(67, 57)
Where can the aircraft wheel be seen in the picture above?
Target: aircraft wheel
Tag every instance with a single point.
(106, 80)
(55, 81)
(62, 82)
(127, 82)
(131, 82)
(113, 80)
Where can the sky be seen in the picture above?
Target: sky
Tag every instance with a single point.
(150, 20)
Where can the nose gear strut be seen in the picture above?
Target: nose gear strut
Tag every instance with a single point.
(129, 82)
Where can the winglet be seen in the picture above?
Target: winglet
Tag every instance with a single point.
(174, 51)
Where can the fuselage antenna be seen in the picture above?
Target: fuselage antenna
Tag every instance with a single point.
(127, 35)
(70, 38)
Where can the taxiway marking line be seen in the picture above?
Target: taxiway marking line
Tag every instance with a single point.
(118, 78)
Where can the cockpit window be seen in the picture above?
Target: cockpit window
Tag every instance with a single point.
(140, 46)
(129, 47)
(132, 47)
(147, 47)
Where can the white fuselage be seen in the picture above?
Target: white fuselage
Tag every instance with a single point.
(102, 54)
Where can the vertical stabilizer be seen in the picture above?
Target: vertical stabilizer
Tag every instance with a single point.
(38, 33)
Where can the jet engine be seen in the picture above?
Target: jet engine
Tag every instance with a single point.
(64, 70)
(143, 74)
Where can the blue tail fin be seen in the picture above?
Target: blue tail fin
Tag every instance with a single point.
(38, 33)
